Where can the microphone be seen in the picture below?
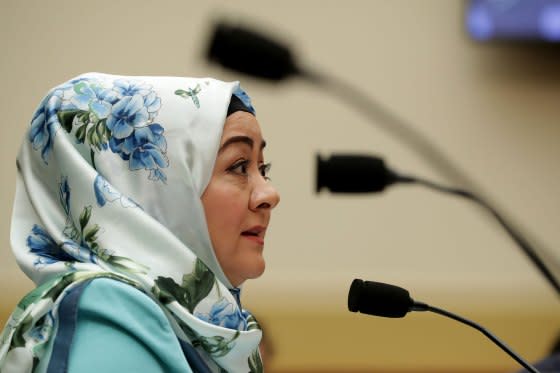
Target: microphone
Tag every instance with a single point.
(379, 299)
(385, 300)
(352, 173)
(257, 54)
(254, 53)
(251, 53)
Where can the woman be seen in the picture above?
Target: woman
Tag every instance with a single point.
(141, 207)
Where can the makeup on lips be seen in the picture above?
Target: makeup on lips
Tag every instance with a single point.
(255, 234)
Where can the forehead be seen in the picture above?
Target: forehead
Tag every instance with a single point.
(241, 123)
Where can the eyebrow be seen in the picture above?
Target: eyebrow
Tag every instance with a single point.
(240, 139)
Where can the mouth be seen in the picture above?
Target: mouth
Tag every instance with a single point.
(255, 234)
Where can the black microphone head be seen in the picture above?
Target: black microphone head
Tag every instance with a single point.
(352, 174)
(249, 52)
(379, 299)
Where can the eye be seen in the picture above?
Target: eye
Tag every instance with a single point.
(239, 167)
(264, 169)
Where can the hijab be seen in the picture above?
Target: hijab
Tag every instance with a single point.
(109, 182)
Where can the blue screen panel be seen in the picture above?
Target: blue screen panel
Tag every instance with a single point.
(537, 20)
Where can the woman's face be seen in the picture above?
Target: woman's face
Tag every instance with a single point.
(239, 199)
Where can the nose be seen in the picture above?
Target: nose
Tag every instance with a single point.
(264, 195)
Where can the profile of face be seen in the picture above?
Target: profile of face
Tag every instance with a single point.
(239, 199)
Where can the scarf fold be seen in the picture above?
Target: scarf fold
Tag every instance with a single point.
(109, 182)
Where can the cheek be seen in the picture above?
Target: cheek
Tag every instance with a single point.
(225, 209)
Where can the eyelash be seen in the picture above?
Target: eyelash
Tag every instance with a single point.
(264, 169)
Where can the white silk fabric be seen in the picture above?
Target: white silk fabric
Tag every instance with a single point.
(110, 176)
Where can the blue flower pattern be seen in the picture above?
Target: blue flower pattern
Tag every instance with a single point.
(81, 243)
(47, 250)
(104, 192)
(223, 313)
(93, 98)
(81, 252)
(44, 124)
(152, 102)
(126, 87)
(119, 118)
(127, 114)
(144, 149)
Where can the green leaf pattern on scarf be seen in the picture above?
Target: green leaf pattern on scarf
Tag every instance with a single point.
(216, 346)
(195, 287)
(192, 93)
(255, 363)
(30, 325)
(83, 243)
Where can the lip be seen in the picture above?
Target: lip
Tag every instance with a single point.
(258, 236)
(256, 239)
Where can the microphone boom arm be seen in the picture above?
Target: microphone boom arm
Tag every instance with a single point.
(525, 246)
(382, 117)
(419, 306)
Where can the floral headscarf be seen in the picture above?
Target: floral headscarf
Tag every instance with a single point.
(110, 177)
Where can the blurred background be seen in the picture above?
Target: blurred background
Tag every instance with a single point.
(491, 106)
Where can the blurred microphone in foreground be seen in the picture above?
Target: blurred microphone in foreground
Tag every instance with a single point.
(379, 299)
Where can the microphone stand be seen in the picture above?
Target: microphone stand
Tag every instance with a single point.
(398, 127)
(419, 306)
(386, 300)
(513, 233)
(390, 122)
(260, 56)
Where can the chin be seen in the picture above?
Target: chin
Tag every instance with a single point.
(257, 269)
(246, 271)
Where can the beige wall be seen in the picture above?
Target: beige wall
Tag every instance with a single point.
(493, 109)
